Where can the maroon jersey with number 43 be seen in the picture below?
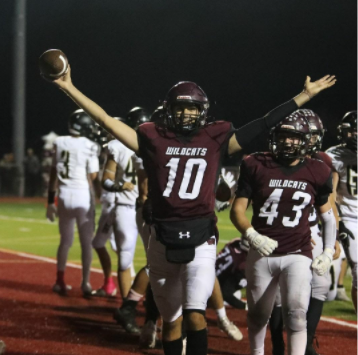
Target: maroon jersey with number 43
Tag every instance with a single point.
(183, 171)
(282, 198)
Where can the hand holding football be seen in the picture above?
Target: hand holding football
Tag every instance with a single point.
(53, 64)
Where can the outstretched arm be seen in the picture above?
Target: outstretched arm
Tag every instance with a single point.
(247, 133)
(119, 130)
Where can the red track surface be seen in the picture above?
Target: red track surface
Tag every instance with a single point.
(34, 320)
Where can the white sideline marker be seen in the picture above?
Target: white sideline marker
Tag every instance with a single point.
(76, 266)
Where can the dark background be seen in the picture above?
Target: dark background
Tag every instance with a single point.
(249, 56)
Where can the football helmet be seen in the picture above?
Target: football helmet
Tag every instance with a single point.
(289, 140)
(317, 131)
(347, 130)
(101, 136)
(136, 116)
(185, 92)
(158, 116)
(81, 124)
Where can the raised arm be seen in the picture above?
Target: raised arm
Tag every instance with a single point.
(119, 130)
(249, 132)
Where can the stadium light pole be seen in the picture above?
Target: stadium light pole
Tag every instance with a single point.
(19, 91)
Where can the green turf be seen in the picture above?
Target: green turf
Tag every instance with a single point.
(23, 227)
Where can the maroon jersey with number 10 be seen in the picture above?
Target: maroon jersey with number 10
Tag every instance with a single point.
(183, 170)
(282, 198)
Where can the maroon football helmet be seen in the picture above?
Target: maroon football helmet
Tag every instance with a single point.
(189, 93)
(289, 140)
(347, 130)
(317, 131)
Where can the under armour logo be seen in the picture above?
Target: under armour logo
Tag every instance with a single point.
(182, 235)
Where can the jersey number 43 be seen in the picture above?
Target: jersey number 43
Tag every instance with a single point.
(269, 209)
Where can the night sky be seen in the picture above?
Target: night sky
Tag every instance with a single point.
(249, 56)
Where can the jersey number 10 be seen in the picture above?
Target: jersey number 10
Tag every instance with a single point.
(173, 164)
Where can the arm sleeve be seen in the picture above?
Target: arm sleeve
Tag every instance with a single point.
(324, 191)
(244, 188)
(249, 132)
(329, 229)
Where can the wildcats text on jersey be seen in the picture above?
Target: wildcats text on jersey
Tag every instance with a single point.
(186, 151)
(288, 183)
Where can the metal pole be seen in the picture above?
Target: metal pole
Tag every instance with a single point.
(18, 95)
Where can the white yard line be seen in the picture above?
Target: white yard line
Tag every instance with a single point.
(76, 266)
(50, 260)
(28, 220)
(340, 322)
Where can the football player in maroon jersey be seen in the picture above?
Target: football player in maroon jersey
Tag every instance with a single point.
(230, 271)
(320, 285)
(182, 159)
(283, 185)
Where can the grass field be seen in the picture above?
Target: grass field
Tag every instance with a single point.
(23, 227)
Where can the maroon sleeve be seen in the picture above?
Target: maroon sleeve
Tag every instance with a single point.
(145, 133)
(220, 131)
(326, 159)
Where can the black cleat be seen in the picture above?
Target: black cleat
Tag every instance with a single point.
(126, 318)
(310, 350)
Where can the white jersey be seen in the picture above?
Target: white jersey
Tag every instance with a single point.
(76, 157)
(344, 162)
(127, 165)
(107, 197)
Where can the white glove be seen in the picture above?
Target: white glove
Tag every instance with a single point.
(322, 263)
(264, 245)
(221, 206)
(51, 212)
(228, 178)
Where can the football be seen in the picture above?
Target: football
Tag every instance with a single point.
(53, 64)
(223, 192)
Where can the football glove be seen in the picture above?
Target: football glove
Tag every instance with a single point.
(221, 206)
(322, 263)
(344, 235)
(264, 245)
(228, 178)
(51, 212)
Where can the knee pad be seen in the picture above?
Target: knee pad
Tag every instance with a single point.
(66, 244)
(296, 320)
(125, 259)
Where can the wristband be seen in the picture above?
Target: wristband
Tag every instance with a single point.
(51, 197)
(110, 186)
